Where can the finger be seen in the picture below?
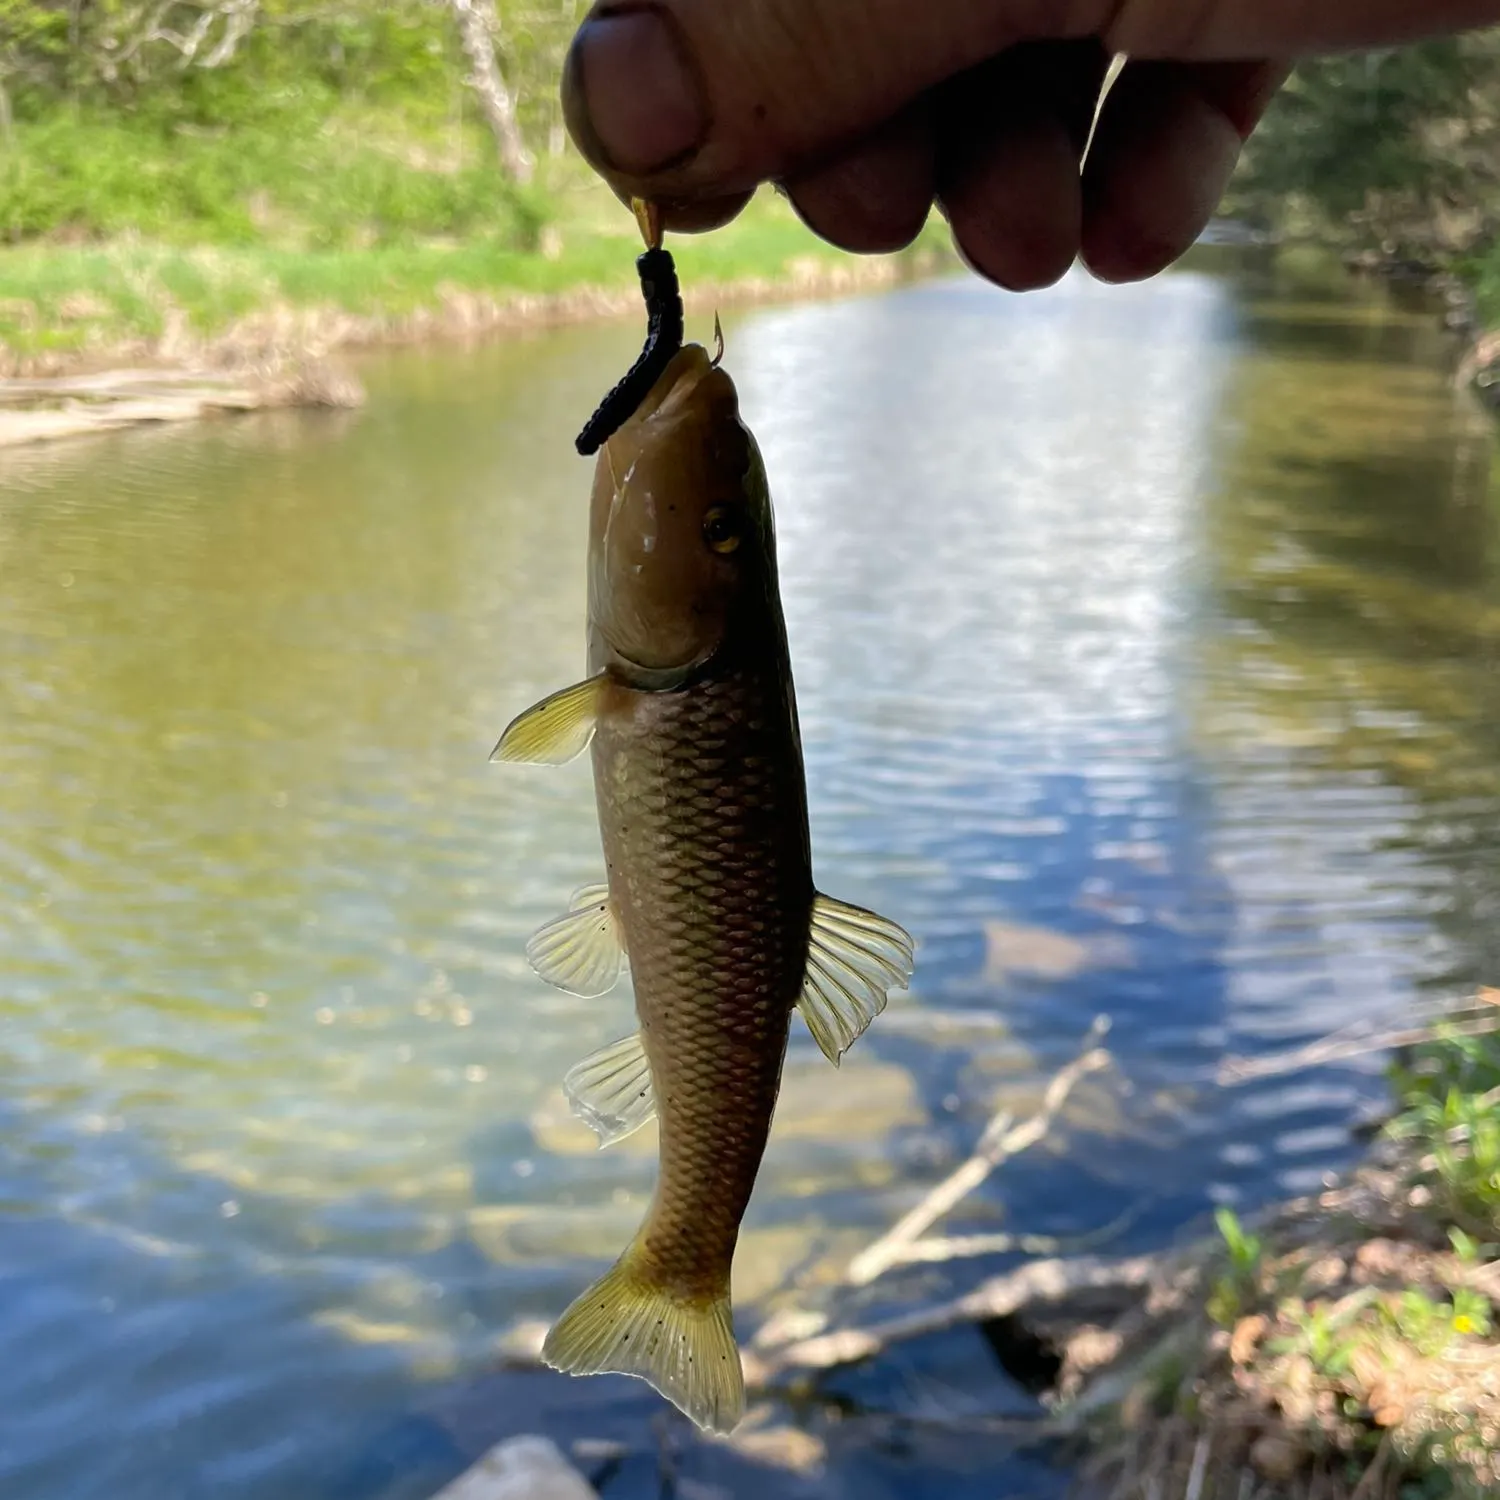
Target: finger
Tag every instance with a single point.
(1010, 137)
(874, 197)
(699, 215)
(686, 97)
(1168, 138)
(705, 98)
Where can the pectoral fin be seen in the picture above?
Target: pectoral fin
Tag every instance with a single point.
(854, 958)
(554, 731)
(610, 1090)
(580, 951)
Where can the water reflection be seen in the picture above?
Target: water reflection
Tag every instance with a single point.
(1145, 648)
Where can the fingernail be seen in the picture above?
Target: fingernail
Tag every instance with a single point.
(632, 95)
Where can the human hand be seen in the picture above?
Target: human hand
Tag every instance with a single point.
(868, 112)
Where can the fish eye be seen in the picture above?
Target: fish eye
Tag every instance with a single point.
(721, 529)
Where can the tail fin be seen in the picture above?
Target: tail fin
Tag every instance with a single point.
(626, 1325)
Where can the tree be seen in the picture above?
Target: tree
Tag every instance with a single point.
(1398, 148)
(478, 29)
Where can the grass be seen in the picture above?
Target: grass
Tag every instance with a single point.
(117, 234)
(1451, 1118)
(67, 299)
(290, 177)
(63, 299)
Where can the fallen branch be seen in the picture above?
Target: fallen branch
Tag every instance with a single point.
(109, 385)
(190, 43)
(20, 428)
(35, 411)
(1199, 1468)
(1039, 1281)
(1350, 1041)
(1001, 1140)
(965, 1246)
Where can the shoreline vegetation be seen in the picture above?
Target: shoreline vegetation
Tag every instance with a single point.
(75, 359)
(236, 192)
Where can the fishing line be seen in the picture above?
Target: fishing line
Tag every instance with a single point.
(664, 333)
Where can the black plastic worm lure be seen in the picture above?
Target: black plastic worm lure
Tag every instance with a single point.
(663, 340)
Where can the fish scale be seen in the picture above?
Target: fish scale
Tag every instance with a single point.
(709, 865)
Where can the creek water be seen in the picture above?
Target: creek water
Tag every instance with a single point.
(1145, 643)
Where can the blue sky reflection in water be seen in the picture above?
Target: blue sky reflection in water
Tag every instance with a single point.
(1127, 684)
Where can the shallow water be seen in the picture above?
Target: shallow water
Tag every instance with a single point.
(1146, 646)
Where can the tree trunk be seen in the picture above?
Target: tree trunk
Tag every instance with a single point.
(478, 26)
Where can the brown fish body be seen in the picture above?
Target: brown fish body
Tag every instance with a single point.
(703, 815)
(709, 893)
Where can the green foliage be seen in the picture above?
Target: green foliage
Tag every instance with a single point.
(1430, 1327)
(314, 123)
(1451, 1093)
(1245, 1249)
(1329, 1349)
(125, 53)
(280, 181)
(1482, 270)
(1398, 150)
(1470, 1252)
(56, 297)
(1235, 1291)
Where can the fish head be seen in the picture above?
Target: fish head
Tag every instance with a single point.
(680, 527)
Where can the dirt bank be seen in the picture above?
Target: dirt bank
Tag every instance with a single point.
(45, 409)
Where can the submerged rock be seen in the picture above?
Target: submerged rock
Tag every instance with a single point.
(1015, 948)
(520, 1468)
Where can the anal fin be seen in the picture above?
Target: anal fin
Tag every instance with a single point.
(611, 1089)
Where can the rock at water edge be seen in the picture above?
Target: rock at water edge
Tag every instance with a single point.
(520, 1468)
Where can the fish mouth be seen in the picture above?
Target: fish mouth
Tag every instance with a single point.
(677, 386)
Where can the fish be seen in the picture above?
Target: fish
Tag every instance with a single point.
(708, 896)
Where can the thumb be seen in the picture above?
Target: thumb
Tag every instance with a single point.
(700, 99)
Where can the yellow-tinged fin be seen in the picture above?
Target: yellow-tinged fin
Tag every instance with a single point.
(626, 1325)
(611, 1089)
(854, 959)
(581, 951)
(552, 732)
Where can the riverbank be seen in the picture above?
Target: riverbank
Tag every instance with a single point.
(213, 330)
(46, 409)
(67, 308)
(1468, 291)
(1344, 1346)
(1340, 1346)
